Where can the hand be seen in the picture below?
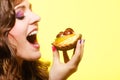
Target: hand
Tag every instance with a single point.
(61, 71)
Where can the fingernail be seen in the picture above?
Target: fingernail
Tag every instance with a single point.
(53, 48)
(82, 41)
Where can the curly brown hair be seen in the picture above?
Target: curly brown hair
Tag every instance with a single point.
(9, 67)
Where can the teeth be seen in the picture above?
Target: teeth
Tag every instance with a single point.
(32, 33)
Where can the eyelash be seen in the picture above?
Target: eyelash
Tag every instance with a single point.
(20, 15)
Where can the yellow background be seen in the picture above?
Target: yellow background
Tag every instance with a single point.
(97, 20)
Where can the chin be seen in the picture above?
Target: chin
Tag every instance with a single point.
(33, 56)
(36, 57)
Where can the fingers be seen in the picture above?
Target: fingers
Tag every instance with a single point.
(78, 53)
(65, 56)
(55, 55)
(76, 58)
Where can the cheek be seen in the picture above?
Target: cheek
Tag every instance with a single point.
(18, 33)
(12, 40)
(20, 28)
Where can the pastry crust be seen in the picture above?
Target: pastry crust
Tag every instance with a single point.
(66, 41)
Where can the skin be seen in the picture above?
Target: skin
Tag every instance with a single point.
(61, 71)
(28, 51)
(22, 27)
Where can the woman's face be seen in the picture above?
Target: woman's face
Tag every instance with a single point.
(23, 34)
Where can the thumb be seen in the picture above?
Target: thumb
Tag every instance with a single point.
(56, 56)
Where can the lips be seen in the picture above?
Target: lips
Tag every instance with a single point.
(32, 38)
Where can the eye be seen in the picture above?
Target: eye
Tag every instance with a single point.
(20, 15)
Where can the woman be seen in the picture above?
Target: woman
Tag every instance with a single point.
(19, 49)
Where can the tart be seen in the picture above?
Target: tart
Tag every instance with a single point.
(66, 40)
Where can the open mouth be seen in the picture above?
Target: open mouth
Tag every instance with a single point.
(32, 37)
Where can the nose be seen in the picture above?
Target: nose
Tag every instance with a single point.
(34, 18)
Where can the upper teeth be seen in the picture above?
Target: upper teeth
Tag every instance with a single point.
(32, 33)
